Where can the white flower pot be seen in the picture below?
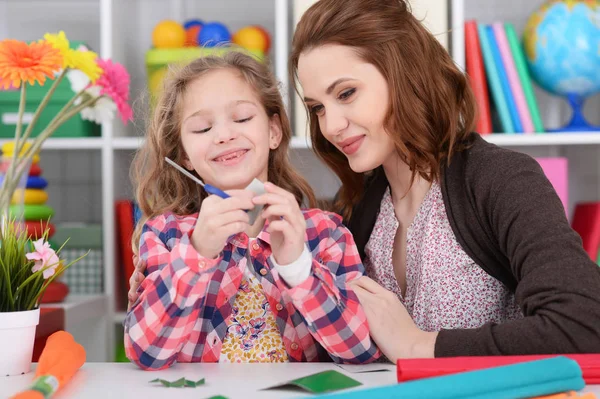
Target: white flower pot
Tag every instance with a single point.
(17, 335)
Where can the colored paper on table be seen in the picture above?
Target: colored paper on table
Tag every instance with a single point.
(180, 383)
(521, 380)
(325, 381)
(365, 368)
(414, 369)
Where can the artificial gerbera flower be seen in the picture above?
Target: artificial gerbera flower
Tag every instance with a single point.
(85, 60)
(103, 110)
(22, 62)
(115, 84)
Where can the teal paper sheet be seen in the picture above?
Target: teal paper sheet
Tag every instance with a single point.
(521, 380)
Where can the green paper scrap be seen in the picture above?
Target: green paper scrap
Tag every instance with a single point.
(218, 397)
(180, 383)
(325, 381)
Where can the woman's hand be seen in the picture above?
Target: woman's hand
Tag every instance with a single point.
(390, 325)
(134, 281)
(287, 225)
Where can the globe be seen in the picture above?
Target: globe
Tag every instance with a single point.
(562, 47)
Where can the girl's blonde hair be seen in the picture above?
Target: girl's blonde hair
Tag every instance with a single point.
(159, 187)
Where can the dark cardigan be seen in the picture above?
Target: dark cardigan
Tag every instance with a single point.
(507, 217)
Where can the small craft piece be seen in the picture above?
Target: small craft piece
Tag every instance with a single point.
(180, 383)
(325, 381)
(258, 188)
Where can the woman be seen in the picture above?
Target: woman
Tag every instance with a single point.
(466, 244)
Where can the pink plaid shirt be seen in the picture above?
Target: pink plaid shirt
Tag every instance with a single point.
(185, 299)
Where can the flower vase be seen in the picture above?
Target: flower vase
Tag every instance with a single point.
(17, 337)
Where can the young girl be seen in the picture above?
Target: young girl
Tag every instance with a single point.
(219, 288)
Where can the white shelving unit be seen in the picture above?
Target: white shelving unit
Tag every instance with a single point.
(121, 30)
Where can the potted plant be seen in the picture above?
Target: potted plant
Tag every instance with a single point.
(28, 264)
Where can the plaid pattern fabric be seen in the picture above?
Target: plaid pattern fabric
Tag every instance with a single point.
(185, 299)
(85, 276)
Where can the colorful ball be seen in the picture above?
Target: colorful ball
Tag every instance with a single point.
(267, 37)
(192, 22)
(213, 34)
(168, 34)
(192, 30)
(250, 38)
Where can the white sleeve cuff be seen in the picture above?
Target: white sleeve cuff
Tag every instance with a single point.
(296, 272)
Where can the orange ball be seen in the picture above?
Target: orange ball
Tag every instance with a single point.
(267, 37)
(168, 34)
(251, 38)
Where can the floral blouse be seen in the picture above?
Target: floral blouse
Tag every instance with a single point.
(252, 334)
(445, 288)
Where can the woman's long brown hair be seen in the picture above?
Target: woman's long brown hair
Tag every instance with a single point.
(432, 108)
(159, 187)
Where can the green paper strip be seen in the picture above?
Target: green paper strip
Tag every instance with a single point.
(180, 383)
(325, 381)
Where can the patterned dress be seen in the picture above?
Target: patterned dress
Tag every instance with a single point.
(252, 334)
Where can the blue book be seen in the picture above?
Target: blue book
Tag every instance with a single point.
(508, 95)
(493, 78)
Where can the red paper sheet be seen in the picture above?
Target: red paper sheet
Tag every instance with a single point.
(413, 369)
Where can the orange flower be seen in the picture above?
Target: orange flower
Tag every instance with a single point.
(20, 62)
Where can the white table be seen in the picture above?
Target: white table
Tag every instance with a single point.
(123, 380)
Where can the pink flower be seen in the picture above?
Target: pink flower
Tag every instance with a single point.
(45, 258)
(114, 82)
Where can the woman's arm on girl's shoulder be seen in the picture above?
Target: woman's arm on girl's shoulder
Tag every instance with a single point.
(171, 296)
(331, 309)
(558, 285)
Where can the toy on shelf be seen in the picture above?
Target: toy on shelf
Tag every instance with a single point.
(214, 34)
(561, 41)
(168, 34)
(252, 38)
(192, 30)
(29, 205)
(175, 43)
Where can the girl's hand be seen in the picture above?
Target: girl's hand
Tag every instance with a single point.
(134, 281)
(287, 225)
(219, 219)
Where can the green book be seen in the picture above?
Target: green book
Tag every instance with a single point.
(521, 66)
